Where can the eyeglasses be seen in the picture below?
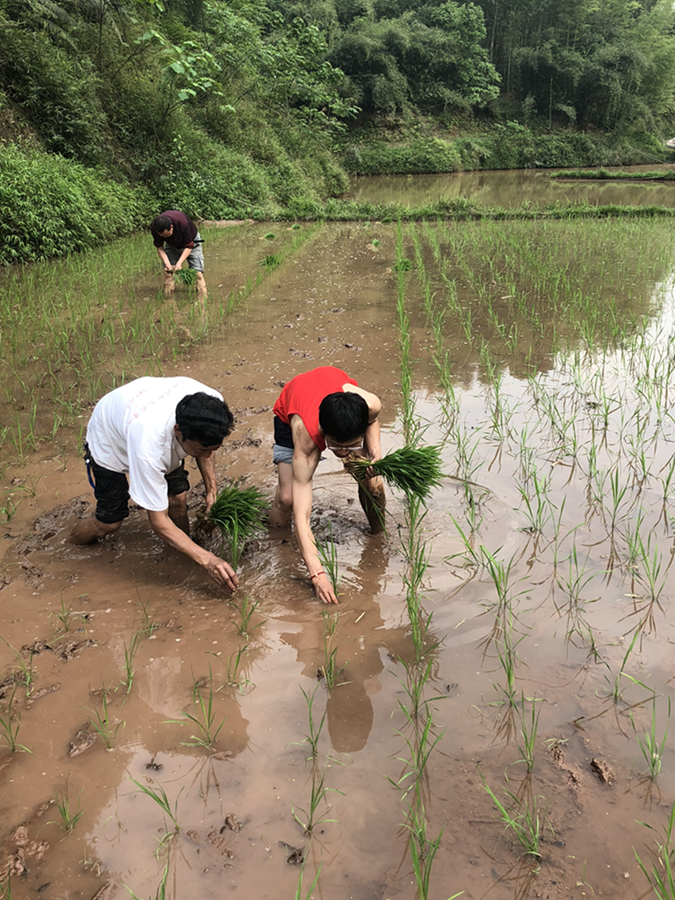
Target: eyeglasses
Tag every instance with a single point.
(356, 445)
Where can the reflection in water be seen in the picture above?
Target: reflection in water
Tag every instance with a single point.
(510, 188)
(361, 637)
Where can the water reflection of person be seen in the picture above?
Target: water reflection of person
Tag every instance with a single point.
(361, 637)
(319, 410)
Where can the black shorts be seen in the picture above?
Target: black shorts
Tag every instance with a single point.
(111, 489)
(283, 436)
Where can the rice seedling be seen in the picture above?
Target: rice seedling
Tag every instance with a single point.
(271, 261)
(507, 654)
(616, 690)
(100, 722)
(10, 723)
(327, 553)
(233, 666)
(528, 731)
(9, 507)
(130, 652)
(204, 718)
(650, 746)
(6, 888)
(186, 277)
(149, 616)
(299, 892)
(314, 729)
(22, 670)
(239, 512)
(537, 508)
(246, 609)
(661, 875)
(159, 796)
(309, 820)
(522, 819)
(414, 470)
(416, 680)
(69, 817)
(648, 573)
(330, 671)
(160, 893)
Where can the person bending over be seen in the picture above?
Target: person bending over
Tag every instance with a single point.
(145, 429)
(319, 410)
(177, 239)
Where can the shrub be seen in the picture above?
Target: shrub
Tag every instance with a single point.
(51, 206)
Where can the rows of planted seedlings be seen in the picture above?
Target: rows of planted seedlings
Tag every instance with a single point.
(72, 330)
(237, 515)
(580, 446)
(419, 732)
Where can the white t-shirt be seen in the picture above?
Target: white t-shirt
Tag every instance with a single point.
(131, 431)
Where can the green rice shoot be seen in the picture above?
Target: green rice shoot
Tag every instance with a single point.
(239, 512)
(414, 470)
(186, 276)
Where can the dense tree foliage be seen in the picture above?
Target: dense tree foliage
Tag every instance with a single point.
(226, 107)
(606, 62)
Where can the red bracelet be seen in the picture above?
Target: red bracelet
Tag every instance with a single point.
(317, 574)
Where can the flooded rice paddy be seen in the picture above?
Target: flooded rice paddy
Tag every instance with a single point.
(510, 646)
(514, 188)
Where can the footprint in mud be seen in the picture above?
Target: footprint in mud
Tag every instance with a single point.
(295, 856)
(82, 741)
(602, 770)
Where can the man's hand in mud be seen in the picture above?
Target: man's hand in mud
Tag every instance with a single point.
(222, 573)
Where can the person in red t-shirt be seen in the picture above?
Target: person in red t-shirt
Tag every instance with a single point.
(177, 239)
(319, 410)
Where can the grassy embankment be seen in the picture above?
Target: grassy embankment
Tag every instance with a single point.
(603, 175)
(86, 207)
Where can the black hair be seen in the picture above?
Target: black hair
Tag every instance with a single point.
(204, 418)
(161, 223)
(343, 416)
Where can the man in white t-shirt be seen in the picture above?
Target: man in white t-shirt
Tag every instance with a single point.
(145, 429)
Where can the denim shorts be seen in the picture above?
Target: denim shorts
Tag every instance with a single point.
(111, 489)
(283, 442)
(195, 260)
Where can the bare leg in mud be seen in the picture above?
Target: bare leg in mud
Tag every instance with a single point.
(169, 284)
(374, 503)
(88, 530)
(178, 512)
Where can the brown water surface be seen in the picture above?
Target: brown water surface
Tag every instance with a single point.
(540, 442)
(511, 188)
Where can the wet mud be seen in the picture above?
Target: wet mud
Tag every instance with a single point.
(231, 825)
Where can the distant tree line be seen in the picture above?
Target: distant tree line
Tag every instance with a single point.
(226, 107)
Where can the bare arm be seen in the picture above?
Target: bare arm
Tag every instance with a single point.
(305, 460)
(222, 573)
(161, 252)
(372, 449)
(184, 255)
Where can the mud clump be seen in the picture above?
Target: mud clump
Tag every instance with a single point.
(83, 740)
(602, 770)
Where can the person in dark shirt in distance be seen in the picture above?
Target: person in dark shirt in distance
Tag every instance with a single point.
(177, 239)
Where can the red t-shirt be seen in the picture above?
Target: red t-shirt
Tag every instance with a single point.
(303, 394)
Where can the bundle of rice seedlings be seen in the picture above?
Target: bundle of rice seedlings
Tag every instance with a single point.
(238, 512)
(186, 276)
(415, 470)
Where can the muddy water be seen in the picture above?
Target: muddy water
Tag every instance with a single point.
(511, 188)
(333, 302)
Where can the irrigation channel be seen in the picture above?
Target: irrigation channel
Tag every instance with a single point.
(500, 666)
